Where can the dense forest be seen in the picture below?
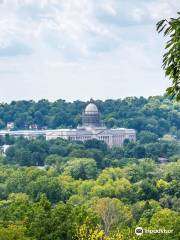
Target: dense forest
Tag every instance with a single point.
(63, 190)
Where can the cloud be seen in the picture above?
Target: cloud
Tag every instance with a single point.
(76, 28)
(125, 13)
(15, 49)
(59, 44)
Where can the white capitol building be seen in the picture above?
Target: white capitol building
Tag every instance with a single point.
(92, 128)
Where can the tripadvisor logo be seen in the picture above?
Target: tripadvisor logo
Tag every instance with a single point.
(139, 231)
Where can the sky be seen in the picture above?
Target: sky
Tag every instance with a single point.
(82, 49)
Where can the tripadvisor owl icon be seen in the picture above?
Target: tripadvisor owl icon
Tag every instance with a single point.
(139, 231)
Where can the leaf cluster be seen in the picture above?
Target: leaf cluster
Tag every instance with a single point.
(171, 58)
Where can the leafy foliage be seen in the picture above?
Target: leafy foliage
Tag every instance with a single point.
(171, 59)
(58, 189)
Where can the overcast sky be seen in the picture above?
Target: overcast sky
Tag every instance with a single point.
(78, 49)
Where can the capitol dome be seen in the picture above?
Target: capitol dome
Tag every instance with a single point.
(91, 108)
(91, 116)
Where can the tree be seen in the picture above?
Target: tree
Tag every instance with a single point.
(148, 191)
(147, 137)
(84, 232)
(145, 168)
(94, 143)
(124, 190)
(81, 168)
(19, 206)
(47, 185)
(110, 174)
(171, 59)
(12, 232)
(112, 212)
(53, 159)
(39, 222)
(17, 182)
(166, 219)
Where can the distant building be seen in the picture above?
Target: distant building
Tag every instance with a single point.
(10, 125)
(33, 126)
(163, 160)
(92, 128)
(3, 149)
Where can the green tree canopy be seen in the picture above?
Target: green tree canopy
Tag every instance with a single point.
(171, 59)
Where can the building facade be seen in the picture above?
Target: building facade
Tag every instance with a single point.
(92, 128)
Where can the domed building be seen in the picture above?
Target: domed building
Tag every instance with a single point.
(93, 128)
(91, 116)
